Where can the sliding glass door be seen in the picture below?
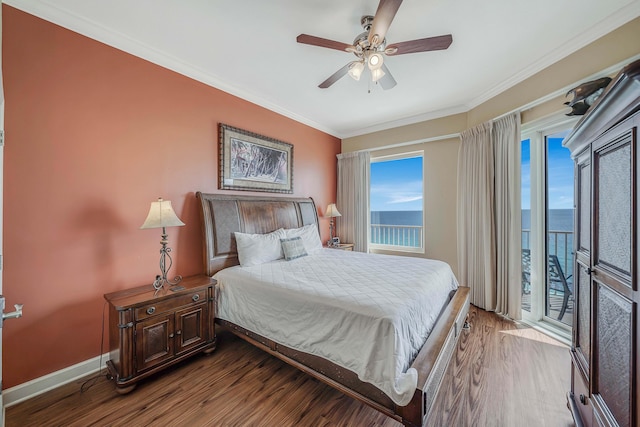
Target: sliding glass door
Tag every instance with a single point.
(559, 229)
(547, 227)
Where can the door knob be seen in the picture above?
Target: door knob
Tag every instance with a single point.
(12, 315)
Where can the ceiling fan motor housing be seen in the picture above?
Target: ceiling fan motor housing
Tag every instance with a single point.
(361, 43)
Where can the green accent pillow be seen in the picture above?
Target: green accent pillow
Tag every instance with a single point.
(293, 248)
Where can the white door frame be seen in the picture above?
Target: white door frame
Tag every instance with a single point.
(1, 205)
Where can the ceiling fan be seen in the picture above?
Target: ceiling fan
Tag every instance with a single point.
(370, 46)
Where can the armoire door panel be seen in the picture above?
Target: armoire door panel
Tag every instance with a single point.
(613, 228)
(583, 201)
(614, 346)
(583, 313)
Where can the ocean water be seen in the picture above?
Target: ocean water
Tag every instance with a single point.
(559, 238)
(396, 217)
(558, 220)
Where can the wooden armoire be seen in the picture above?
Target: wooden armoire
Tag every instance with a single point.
(605, 357)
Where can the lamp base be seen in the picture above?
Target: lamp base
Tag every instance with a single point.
(331, 227)
(160, 281)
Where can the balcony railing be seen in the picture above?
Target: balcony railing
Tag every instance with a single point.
(560, 244)
(397, 235)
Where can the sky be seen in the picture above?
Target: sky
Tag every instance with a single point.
(560, 174)
(396, 185)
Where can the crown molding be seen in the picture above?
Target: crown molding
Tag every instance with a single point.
(616, 20)
(432, 115)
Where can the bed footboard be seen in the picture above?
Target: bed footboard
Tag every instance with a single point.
(433, 360)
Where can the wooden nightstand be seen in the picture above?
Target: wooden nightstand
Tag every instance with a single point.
(150, 330)
(343, 246)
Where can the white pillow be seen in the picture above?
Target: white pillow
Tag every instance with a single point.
(254, 249)
(309, 235)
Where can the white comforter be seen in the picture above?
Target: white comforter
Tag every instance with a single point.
(367, 313)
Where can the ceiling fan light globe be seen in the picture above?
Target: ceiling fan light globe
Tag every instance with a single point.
(377, 74)
(355, 70)
(374, 61)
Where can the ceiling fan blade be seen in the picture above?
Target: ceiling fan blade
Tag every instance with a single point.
(387, 81)
(335, 76)
(319, 41)
(420, 45)
(387, 10)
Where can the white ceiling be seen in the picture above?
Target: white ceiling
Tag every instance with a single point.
(248, 48)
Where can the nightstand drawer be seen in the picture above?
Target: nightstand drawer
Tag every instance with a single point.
(343, 246)
(157, 307)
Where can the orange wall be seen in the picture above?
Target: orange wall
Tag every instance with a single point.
(93, 136)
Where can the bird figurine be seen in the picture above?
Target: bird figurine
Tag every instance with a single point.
(585, 95)
(577, 109)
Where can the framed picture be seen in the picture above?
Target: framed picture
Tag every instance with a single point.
(253, 162)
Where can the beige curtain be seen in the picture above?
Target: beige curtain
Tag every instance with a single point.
(353, 199)
(476, 237)
(489, 224)
(508, 223)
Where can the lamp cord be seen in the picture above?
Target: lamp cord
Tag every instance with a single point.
(92, 381)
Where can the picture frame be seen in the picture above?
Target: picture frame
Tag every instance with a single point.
(253, 162)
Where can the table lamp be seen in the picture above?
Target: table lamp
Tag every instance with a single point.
(331, 212)
(161, 215)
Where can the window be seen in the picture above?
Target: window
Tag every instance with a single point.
(396, 200)
(547, 227)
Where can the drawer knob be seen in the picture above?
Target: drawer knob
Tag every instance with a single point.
(196, 297)
(583, 399)
(151, 310)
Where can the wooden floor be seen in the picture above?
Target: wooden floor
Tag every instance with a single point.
(501, 375)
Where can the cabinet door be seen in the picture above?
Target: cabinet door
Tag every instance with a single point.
(582, 279)
(582, 329)
(154, 341)
(192, 327)
(614, 267)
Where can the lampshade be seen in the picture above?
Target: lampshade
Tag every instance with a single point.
(161, 214)
(332, 211)
(355, 70)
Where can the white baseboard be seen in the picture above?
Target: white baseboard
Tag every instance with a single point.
(33, 388)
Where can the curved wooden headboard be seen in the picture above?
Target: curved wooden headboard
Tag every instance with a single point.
(222, 215)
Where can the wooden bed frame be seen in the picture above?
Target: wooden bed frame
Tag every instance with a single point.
(222, 215)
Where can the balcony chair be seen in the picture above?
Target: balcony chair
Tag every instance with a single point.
(557, 280)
